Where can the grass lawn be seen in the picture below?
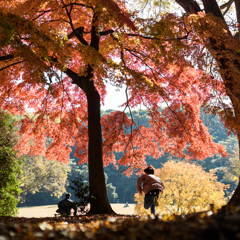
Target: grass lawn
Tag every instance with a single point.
(50, 210)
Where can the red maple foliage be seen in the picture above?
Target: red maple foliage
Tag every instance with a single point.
(56, 59)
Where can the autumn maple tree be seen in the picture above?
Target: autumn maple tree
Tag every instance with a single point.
(57, 58)
(212, 28)
(221, 38)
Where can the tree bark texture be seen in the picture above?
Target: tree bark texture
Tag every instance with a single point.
(98, 192)
(237, 6)
(230, 82)
(99, 201)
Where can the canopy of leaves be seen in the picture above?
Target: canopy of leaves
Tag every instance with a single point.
(52, 45)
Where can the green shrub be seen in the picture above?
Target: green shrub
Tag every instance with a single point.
(9, 166)
(81, 192)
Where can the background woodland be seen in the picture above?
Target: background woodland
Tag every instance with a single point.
(42, 188)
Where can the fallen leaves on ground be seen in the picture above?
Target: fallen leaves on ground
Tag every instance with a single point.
(207, 225)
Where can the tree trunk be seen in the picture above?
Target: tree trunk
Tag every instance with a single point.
(237, 6)
(97, 186)
(98, 192)
(211, 6)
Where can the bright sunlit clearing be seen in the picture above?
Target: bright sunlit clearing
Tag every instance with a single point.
(114, 99)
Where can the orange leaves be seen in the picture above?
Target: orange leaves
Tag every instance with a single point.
(179, 127)
(58, 113)
(114, 134)
(118, 13)
(114, 124)
(122, 135)
(154, 61)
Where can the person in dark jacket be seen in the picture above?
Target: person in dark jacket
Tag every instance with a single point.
(65, 206)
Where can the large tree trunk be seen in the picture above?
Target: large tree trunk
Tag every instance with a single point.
(98, 192)
(237, 6)
(229, 80)
(99, 201)
(211, 6)
(97, 186)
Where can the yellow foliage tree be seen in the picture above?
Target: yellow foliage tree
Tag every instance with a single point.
(188, 189)
(233, 169)
(42, 175)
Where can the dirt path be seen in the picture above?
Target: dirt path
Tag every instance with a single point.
(50, 210)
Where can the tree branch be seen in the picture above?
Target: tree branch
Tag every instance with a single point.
(185, 4)
(211, 6)
(94, 33)
(194, 7)
(12, 65)
(79, 4)
(78, 31)
(76, 79)
(227, 5)
(67, 5)
(78, 34)
(6, 57)
(43, 12)
(110, 31)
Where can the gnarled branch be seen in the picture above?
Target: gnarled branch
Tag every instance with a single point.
(226, 5)
(6, 57)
